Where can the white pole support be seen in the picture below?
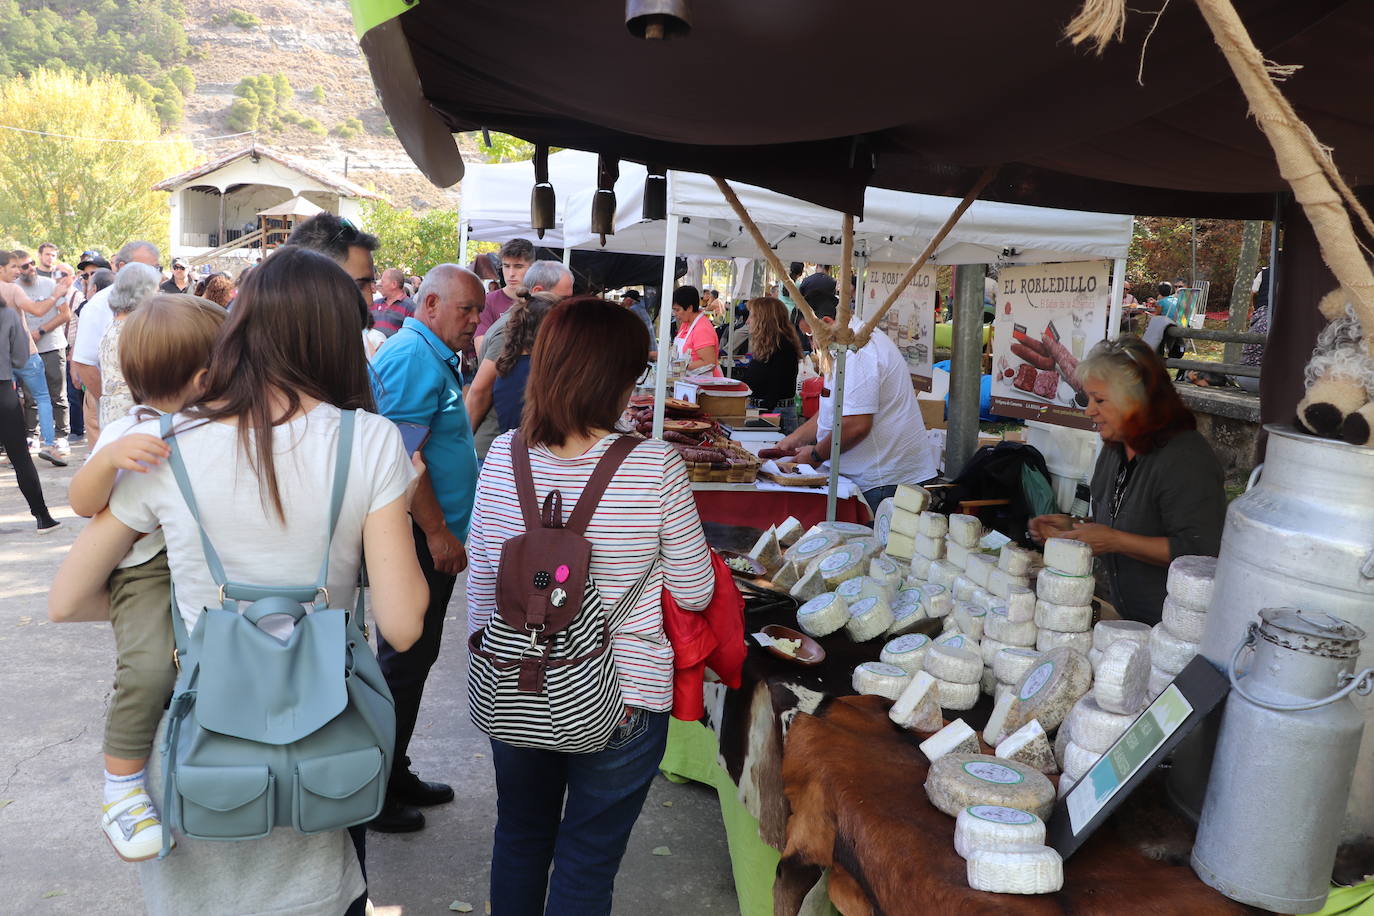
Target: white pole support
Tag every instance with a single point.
(1118, 293)
(462, 240)
(665, 339)
(836, 428)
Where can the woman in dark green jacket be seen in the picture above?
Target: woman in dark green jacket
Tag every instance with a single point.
(1157, 489)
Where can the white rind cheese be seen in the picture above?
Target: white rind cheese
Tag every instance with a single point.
(918, 707)
(1158, 681)
(882, 520)
(1072, 558)
(987, 684)
(965, 530)
(929, 547)
(767, 552)
(954, 738)
(906, 523)
(994, 731)
(957, 696)
(1121, 679)
(959, 641)
(962, 587)
(1061, 743)
(957, 554)
(957, 781)
(912, 498)
(989, 648)
(985, 599)
(1168, 652)
(969, 619)
(933, 524)
(1095, 657)
(1010, 663)
(1184, 622)
(987, 828)
(1190, 581)
(1016, 561)
(907, 612)
(1082, 643)
(1065, 784)
(906, 652)
(1029, 745)
(1050, 688)
(943, 573)
(978, 568)
(920, 567)
(869, 618)
(1002, 690)
(954, 663)
(1020, 602)
(900, 546)
(1000, 582)
(1107, 632)
(1078, 760)
(846, 530)
(1095, 729)
(790, 531)
(1003, 629)
(1029, 870)
(879, 679)
(810, 585)
(813, 544)
(842, 564)
(887, 571)
(1066, 618)
(937, 600)
(852, 590)
(1058, 588)
(823, 615)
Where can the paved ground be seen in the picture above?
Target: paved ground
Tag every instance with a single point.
(54, 687)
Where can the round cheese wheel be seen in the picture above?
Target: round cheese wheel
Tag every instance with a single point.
(943, 573)
(1028, 870)
(954, 663)
(1012, 662)
(1183, 621)
(1070, 557)
(958, 781)
(1078, 760)
(811, 545)
(842, 563)
(988, 682)
(882, 520)
(1020, 602)
(965, 530)
(1058, 588)
(933, 524)
(906, 652)
(937, 600)
(1095, 729)
(1002, 628)
(1066, 618)
(978, 568)
(1049, 688)
(984, 598)
(845, 530)
(962, 588)
(1080, 642)
(823, 615)
(989, 648)
(988, 827)
(969, 619)
(1121, 679)
(1015, 560)
(852, 590)
(887, 571)
(1158, 681)
(1190, 581)
(869, 618)
(1000, 582)
(1106, 632)
(920, 567)
(880, 679)
(957, 696)
(1168, 652)
(907, 612)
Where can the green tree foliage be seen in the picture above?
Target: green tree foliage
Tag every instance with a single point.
(504, 148)
(182, 77)
(348, 128)
(1161, 250)
(317, 94)
(119, 36)
(80, 193)
(264, 103)
(414, 242)
(241, 18)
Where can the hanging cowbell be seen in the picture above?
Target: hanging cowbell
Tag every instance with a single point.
(658, 20)
(603, 204)
(656, 193)
(542, 198)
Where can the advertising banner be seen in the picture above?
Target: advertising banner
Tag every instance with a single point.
(911, 320)
(1048, 318)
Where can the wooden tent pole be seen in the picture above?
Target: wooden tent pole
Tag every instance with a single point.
(843, 335)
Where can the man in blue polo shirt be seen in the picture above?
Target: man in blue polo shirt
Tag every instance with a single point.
(418, 381)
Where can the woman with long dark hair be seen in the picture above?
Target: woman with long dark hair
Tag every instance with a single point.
(1157, 490)
(775, 354)
(513, 364)
(259, 452)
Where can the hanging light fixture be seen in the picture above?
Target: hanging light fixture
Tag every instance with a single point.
(603, 204)
(658, 20)
(542, 198)
(655, 193)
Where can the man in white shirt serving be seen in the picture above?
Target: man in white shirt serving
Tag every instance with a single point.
(883, 439)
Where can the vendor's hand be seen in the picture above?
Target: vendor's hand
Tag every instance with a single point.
(1043, 527)
(138, 452)
(448, 552)
(1101, 538)
(806, 455)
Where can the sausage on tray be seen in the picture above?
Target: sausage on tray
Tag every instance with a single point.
(1036, 358)
(1068, 365)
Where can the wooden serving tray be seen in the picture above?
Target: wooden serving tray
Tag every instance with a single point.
(795, 480)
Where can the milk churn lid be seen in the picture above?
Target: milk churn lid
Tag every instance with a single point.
(1314, 632)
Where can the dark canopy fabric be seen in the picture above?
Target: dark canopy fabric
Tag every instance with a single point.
(817, 98)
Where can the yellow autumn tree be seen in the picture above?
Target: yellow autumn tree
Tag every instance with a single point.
(82, 193)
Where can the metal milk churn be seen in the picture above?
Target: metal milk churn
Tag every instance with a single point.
(1301, 536)
(1284, 762)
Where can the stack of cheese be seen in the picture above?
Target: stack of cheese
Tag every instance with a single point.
(961, 539)
(999, 807)
(1175, 640)
(1120, 691)
(1064, 591)
(904, 521)
(955, 663)
(1047, 689)
(929, 542)
(1008, 664)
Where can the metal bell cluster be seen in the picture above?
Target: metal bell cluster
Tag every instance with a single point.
(658, 20)
(603, 204)
(543, 201)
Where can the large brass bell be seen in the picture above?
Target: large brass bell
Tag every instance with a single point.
(603, 203)
(656, 193)
(543, 201)
(658, 20)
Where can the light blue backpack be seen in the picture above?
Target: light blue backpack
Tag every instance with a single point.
(265, 732)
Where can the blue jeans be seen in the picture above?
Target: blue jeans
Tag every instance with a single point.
(583, 841)
(36, 387)
(876, 495)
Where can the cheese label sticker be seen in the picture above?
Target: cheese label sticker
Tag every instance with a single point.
(993, 772)
(812, 544)
(884, 669)
(816, 604)
(1001, 815)
(930, 591)
(862, 606)
(837, 561)
(908, 643)
(886, 565)
(955, 641)
(851, 587)
(1036, 680)
(884, 525)
(908, 602)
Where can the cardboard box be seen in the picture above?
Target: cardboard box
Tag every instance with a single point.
(932, 412)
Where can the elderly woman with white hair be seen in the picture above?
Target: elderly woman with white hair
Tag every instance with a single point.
(1157, 489)
(134, 283)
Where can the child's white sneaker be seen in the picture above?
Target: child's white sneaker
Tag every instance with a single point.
(132, 826)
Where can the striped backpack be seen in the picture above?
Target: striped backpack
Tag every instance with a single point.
(542, 674)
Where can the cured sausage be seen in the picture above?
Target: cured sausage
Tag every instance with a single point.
(1033, 356)
(775, 453)
(1067, 364)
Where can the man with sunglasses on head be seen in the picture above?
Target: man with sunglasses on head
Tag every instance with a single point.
(49, 333)
(348, 245)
